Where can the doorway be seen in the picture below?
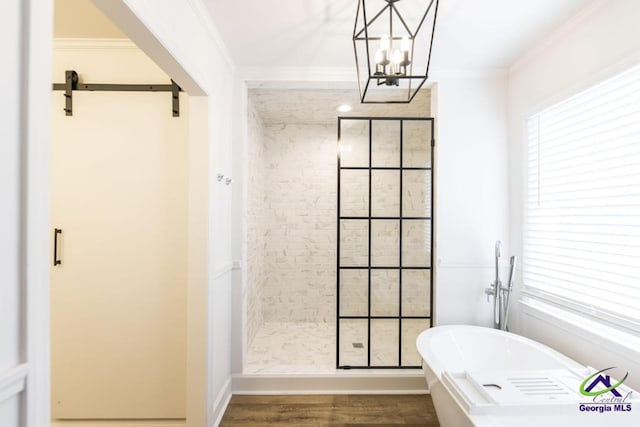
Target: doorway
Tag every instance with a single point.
(119, 219)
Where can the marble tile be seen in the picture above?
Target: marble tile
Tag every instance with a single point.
(354, 143)
(416, 293)
(310, 347)
(416, 241)
(254, 284)
(416, 144)
(299, 211)
(385, 243)
(385, 193)
(385, 292)
(416, 193)
(354, 193)
(385, 337)
(318, 106)
(354, 292)
(385, 143)
(411, 328)
(353, 342)
(287, 347)
(354, 238)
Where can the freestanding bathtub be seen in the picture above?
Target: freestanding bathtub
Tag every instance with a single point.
(485, 377)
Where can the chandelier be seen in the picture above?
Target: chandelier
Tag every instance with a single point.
(392, 41)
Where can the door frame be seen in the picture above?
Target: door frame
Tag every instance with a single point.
(36, 58)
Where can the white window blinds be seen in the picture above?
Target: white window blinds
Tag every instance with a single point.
(582, 215)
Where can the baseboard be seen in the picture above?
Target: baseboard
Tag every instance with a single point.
(118, 423)
(340, 383)
(220, 403)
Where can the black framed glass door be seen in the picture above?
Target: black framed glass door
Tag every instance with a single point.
(385, 240)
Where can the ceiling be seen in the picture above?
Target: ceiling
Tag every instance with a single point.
(470, 34)
(318, 106)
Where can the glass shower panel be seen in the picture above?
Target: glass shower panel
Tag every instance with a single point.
(354, 242)
(416, 147)
(385, 143)
(385, 193)
(353, 342)
(416, 193)
(354, 143)
(416, 293)
(354, 193)
(385, 292)
(385, 243)
(411, 328)
(354, 293)
(385, 339)
(384, 237)
(416, 243)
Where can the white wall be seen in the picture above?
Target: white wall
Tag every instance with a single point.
(179, 37)
(471, 193)
(10, 214)
(599, 42)
(26, 29)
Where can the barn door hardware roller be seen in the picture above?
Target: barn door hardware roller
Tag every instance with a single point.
(72, 83)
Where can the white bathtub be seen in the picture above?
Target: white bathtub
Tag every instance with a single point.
(464, 365)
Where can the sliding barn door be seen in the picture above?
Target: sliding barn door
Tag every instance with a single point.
(118, 295)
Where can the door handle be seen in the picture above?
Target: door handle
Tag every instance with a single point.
(56, 232)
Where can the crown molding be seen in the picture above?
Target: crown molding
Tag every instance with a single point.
(254, 75)
(341, 77)
(436, 73)
(61, 44)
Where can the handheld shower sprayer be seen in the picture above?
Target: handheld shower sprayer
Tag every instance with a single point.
(507, 292)
(501, 293)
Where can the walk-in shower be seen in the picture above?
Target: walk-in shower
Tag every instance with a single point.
(290, 291)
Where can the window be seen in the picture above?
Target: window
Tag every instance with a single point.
(582, 211)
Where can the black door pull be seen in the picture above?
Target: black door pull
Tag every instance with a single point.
(56, 232)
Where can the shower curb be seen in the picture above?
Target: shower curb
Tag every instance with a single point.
(341, 382)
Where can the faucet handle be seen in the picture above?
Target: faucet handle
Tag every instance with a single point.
(489, 291)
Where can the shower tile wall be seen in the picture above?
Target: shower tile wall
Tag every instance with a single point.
(300, 218)
(255, 221)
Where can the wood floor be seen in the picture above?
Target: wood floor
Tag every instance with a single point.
(330, 410)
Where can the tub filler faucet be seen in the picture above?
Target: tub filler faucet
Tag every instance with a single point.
(501, 293)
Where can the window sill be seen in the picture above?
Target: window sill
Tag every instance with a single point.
(625, 343)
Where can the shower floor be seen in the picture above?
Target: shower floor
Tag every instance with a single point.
(310, 348)
(292, 348)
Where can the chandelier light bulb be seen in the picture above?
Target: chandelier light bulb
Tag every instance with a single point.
(405, 44)
(384, 42)
(379, 56)
(396, 57)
